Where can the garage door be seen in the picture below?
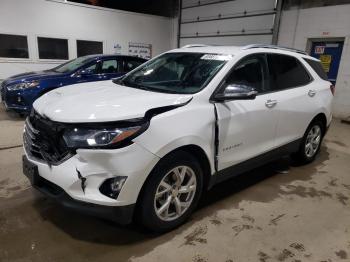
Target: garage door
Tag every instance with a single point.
(227, 22)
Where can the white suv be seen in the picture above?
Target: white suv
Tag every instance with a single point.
(147, 145)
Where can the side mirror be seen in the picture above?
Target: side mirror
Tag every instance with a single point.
(84, 72)
(236, 92)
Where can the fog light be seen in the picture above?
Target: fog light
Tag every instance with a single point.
(19, 99)
(112, 186)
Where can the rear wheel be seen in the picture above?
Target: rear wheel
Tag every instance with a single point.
(311, 143)
(171, 193)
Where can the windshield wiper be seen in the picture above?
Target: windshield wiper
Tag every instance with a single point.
(121, 81)
(118, 81)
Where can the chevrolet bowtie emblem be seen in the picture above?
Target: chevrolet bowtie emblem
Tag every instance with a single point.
(83, 180)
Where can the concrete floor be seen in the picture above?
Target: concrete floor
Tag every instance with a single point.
(275, 213)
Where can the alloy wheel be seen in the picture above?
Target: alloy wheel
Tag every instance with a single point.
(175, 193)
(313, 141)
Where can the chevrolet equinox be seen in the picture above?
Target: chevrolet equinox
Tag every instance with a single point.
(147, 145)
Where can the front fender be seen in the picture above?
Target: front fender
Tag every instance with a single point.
(188, 141)
(192, 124)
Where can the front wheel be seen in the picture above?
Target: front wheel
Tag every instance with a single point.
(171, 193)
(311, 143)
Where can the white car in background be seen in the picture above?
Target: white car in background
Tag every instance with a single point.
(147, 145)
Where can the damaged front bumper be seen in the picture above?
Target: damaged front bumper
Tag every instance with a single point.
(122, 215)
(92, 168)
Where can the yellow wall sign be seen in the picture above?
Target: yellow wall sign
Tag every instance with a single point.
(326, 62)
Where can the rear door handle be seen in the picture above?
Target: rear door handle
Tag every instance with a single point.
(311, 93)
(270, 103)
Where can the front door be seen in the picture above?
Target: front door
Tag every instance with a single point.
(110, 68)
(329, 53)
(102, 70)
(247, 127)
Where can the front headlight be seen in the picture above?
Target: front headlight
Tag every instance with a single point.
(97, 138)
(24, 85)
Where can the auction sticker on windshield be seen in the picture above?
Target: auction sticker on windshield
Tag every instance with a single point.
(216, 57)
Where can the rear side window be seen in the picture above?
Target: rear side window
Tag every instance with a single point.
(286, 72)
(317, 67)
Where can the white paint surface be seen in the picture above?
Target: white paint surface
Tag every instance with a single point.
(74, 21)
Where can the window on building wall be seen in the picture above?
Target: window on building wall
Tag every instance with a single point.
(53, 48)
(13, 46)
(89, 47)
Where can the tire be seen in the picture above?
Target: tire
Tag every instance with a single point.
(308, 150)
(168, 172)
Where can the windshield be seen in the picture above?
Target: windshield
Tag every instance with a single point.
(179, 73)
(72, 65)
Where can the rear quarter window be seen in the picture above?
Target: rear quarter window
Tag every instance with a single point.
(317, 67)
(286, 72)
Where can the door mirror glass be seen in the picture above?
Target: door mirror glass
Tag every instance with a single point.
(236, 92)
(86, 72)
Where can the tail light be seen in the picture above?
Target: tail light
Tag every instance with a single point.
(332, 89)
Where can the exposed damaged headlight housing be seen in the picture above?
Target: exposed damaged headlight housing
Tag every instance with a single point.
(82, 137)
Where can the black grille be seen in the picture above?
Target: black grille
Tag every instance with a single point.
(43, 140)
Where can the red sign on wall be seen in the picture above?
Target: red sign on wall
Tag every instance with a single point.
(319, 49)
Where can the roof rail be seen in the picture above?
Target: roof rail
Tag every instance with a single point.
(194, 45)
(274, 47)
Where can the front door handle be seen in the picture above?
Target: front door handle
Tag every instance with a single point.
(311, 93)
(270, 103)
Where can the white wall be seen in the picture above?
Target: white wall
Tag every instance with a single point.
(299, 25)
(238, 21)
(59, 19)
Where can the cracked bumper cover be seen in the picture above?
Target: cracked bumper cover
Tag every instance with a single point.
(61, 182)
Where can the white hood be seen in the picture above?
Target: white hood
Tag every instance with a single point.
(101, 102)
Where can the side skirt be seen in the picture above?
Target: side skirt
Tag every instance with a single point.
(255, 162)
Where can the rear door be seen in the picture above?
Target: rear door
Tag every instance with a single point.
(296, 96)
(246, 127)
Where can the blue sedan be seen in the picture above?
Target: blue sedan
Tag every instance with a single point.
(20, 91)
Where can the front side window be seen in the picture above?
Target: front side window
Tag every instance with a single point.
(53, 48)
(109, 66)
(13, 46)
(93, 69)
(250, 72)
(180, 73)
(72, 65)
(286, 72)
